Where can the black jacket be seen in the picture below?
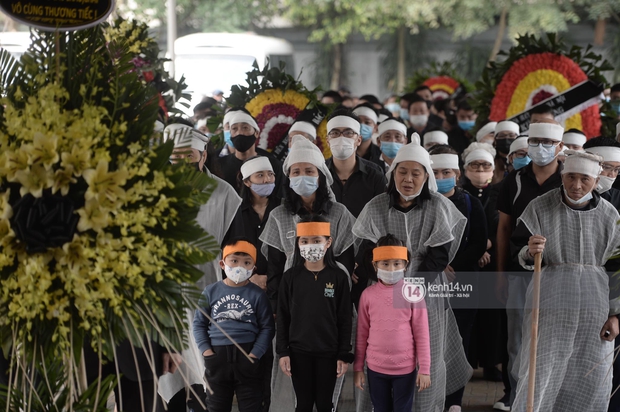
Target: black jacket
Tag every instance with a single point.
(314, 313)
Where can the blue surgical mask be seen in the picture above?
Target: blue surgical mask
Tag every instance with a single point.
(615, 105)
(263, 189)
(404, 114)
(540, 155)
(466, 125)
(520, 163)
(389, 149)
(366, 132)
(393, 107)
(227, 138)
(445, 185)
(581, 201)
(304, 186)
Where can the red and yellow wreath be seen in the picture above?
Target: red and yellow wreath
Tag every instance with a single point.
(442, 87)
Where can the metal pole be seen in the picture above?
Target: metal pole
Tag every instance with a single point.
(172, 32)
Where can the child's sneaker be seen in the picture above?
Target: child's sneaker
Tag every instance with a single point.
(503, 404)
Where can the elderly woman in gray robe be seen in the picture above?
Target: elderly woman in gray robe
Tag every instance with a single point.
(576, 231)
(432, 227)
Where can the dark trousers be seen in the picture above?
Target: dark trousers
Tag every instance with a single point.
(391, 393)
(465, 319)
(267, 368)
(229, 373)
(314, 379)
(182, 400)
(614, 403)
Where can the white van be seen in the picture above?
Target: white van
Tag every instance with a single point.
(217, 61)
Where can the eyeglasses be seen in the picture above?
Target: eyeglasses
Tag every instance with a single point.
(477, 165)
(337, 133)
(520, 154)
(243, 128)
(610, 169)
(546, 143)
(392, 137)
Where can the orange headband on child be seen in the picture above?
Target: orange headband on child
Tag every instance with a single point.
(389, 252)
(240, 247)
(313, 229)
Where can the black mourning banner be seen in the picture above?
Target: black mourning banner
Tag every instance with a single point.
(564, 105)
(52, 15)
(314, 116)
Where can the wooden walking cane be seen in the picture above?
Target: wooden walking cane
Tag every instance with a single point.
(534, 333)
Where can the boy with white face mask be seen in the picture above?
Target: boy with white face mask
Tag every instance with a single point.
(242, 310)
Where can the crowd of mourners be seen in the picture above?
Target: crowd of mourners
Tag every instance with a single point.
(318, 255)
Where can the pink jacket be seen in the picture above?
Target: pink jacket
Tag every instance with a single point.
(392, 339)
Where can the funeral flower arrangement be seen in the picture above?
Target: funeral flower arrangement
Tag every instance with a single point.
(442, 79)
(534, 70)
(275, 99)
(97, 230)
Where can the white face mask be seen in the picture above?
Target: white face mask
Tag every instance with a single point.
(238, 274)
(390, 277)
(312, 253)
(409, 198)
(578, 202)
(605, 183)
(342, 147)
(418, 120)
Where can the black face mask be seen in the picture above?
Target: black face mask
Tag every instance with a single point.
(243, 142)
(503, 145)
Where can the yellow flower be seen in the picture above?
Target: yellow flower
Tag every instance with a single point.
(11, 162)
(78, 160)
(63, 178)
(34, 180)
(44, 150)
(93, 216)
(6, 211)
(105, 186)
(6, 234)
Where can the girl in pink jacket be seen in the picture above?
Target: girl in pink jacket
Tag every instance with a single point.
(392, 334)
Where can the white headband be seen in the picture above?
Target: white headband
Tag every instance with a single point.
(507, 126)
(581, 162)
(226, 118)
(445, 161)
(382, 118)
(301, 126)
(480, 154)
(242, 117)
(415, 138)
(366, 111)
(304, 151)
(485, 130)
(520, 143)
(435, 137)
(252, 166)
(608, 153)
(574, 138)
(617, 130)
(546, 131)
(343, 121)
(392, 124)
(185, 137)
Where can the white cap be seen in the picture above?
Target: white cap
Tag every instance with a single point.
(578, 139)
(240, 116)
(185, 137)
(302, 126)
(507, 126)
(546, 131)
(436, 136)
(392, 124)
(304, 151)
(485, 130)
(415, 138)
(608, 153)
(343, 121)
(479, 154)
(257, 164)
(520, 143)
(414, 153)
(618, 131)
(366, 111)
(445, 161)
(582, 162)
